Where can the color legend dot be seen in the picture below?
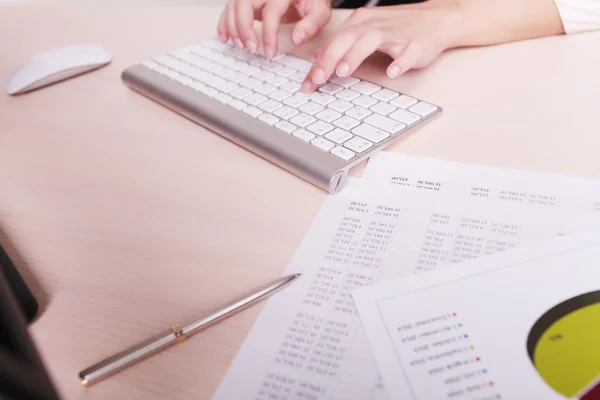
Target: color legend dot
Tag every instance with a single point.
(466, 336)
(454, 314)
(484, 371)
(478, 359)
(460, 325)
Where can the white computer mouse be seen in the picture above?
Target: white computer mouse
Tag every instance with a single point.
(56, 65)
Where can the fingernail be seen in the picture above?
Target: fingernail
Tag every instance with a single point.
(238, 43)
(299, 37)
(223, 37)
(251, 46)
(305, 88)
(318, 76)
(269, 52)
(394, 71)
(343, 68)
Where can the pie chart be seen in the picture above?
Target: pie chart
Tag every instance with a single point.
(564, 347)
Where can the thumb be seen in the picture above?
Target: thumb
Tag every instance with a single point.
(318, 14)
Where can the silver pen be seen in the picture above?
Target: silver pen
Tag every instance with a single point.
(176, 334)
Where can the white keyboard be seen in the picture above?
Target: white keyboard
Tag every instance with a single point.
(346, 120)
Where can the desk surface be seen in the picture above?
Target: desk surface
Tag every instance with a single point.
(128, 230)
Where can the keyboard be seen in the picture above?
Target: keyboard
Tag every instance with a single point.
(256, 103)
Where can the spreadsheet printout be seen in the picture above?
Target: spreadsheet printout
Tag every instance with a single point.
(308, 342)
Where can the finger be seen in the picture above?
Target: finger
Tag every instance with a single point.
(325, 65)
(366, 45)
(411, 55)
(318, 15)
(272, 12)
(222, 28)
(244, 19)
(231, 26)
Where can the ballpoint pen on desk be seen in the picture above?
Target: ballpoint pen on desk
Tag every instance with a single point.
(176, 334)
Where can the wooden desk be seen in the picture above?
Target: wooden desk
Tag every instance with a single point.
(128, 229)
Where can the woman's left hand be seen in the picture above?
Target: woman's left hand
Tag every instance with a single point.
(413, 35)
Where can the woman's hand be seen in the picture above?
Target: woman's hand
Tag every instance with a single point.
(237, 20)
(413, 35)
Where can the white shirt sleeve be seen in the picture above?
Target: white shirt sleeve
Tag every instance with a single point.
(579, 15)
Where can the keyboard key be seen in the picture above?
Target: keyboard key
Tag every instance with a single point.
(233, 76)
(322, 98)
(385, 95)
(279, 95)
(286, 112)
(340, 105)
(255, 99)
(320, 128)
(209, 91)
(322, 144)
(365, 88)
(223, 98)
(406, 117)
(278, 80)
(270, 106)
(298, 77)
(227, 87)
(304, 135)
(259, 61)
(358, 144)
(269, 119)
(249, 69)
(272, 67)
(297, 100)
(347, 95)
(311, 108)
(214, 81)
(197, 86)
(240, 93)
(291, 87)
(370, 133)
(250, 83)
(343, 153)
(358, 113)
(339, 136)
(286, 72)
(237, 104)
(331, 88)
(285, 126)
(263, 75)
(302, 120)
(345, 81)
(403, 101)
(383, 108)
(423, 109)
(381, 122)
(252, 111)
(328, 115)
(364, 101)
(296, 63)
(264, 88)
(346, 123)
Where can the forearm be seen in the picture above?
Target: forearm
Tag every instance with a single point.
(488, 22)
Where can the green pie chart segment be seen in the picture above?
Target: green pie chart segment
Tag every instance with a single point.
(564, 345)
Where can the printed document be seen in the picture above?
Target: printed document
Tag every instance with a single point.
(308, 342)
(519, 324)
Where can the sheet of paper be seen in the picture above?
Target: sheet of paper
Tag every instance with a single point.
(458, 181)
(519, 324)
(308, 342)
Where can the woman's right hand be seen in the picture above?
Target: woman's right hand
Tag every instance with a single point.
(237, 20)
